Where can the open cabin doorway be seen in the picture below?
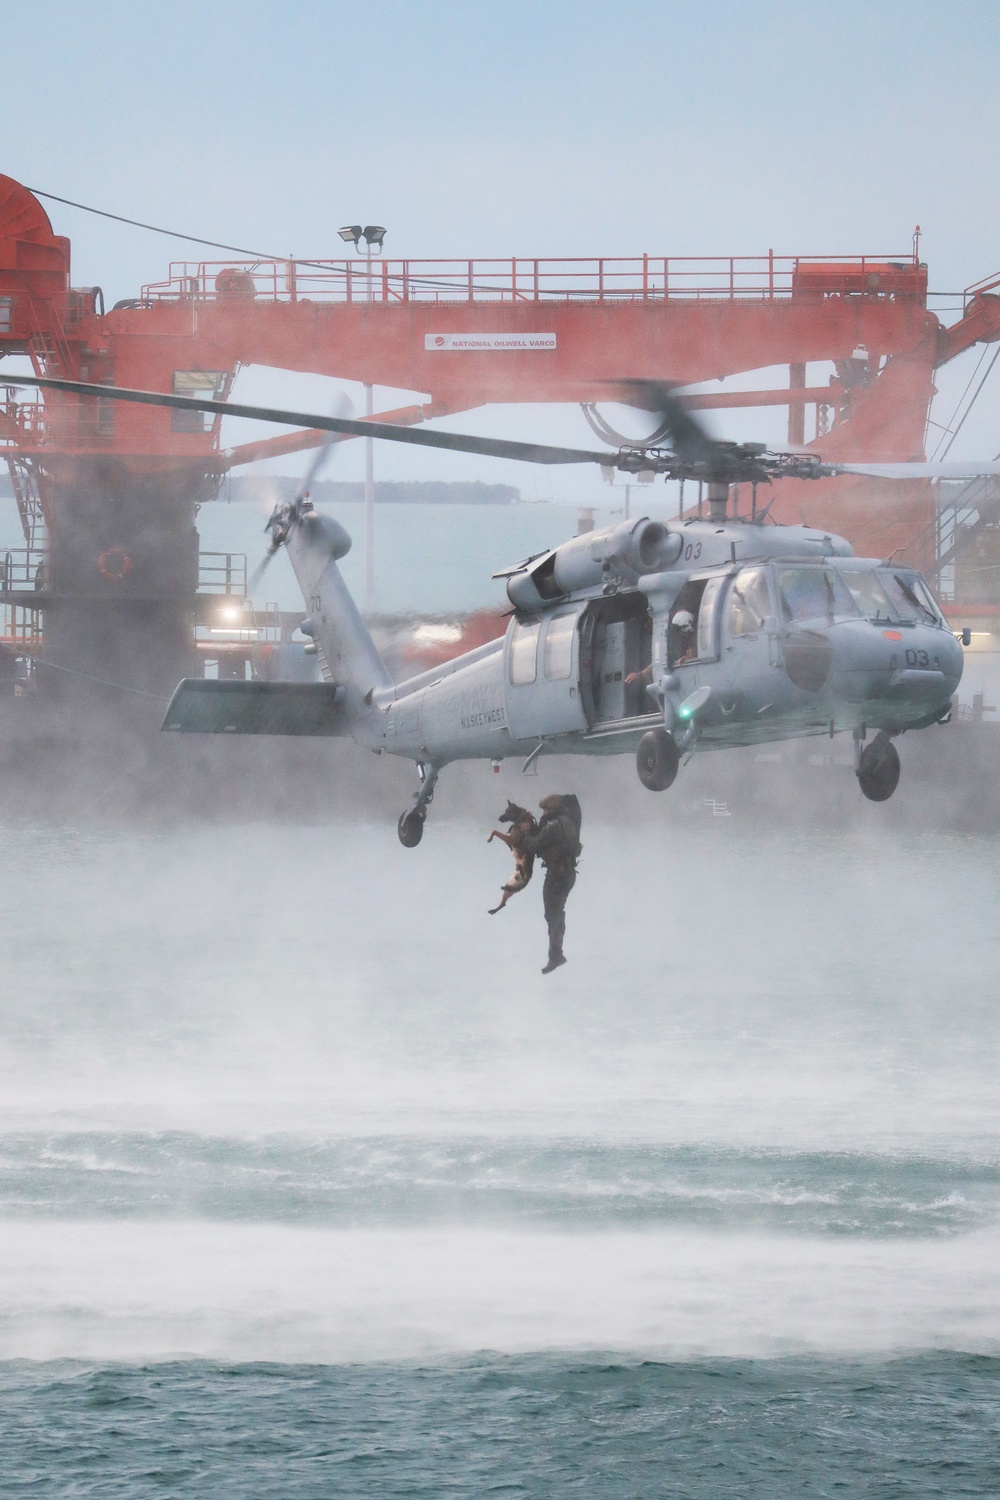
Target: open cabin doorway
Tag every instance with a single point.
(616, 641)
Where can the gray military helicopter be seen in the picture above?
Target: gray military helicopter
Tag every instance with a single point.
(658, 640)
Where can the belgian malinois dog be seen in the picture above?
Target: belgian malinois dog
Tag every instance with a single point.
(522, 822)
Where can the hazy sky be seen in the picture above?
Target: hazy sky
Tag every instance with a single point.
(535, 129)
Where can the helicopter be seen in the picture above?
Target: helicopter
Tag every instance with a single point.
(659, 640)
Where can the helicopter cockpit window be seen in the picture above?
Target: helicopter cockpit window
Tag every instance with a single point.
(750, 603)
(911, 597)
(894, 595)
(868, 593)
(524, 653)
(815, 594)
(707, 635)
(557, 655)
(918, 584)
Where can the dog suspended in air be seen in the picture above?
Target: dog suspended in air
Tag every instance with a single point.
(522, 823)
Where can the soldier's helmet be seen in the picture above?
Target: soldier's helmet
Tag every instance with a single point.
(683, 620)
(552, 802)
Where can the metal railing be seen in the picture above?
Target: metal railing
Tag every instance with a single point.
(242, 630)
(21, 628)
(987, 284)
(519, 279)
(27, 426)
(222, 573)
(19, 420)
(219, 573)
(21, 568)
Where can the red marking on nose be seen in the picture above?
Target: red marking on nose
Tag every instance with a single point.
(892, 635)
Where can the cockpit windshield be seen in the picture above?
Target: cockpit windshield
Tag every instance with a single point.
(814, 594)
(912, 592)
(898, 595)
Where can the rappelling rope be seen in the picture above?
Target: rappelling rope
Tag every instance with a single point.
(122, 687)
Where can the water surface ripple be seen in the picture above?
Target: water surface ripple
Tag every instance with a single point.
(310, 1183)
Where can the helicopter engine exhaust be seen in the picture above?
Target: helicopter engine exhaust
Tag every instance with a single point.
(619, 554)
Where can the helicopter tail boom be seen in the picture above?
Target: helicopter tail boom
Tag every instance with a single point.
(349, 655)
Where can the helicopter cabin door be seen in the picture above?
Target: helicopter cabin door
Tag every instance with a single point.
(542, 674)
(617, 643)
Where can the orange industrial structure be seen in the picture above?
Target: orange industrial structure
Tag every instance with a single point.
(117, 486)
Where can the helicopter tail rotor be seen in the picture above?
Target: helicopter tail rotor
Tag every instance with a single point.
(287, 514)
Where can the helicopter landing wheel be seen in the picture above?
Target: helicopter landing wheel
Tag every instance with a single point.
(410, 829)
(878, 770)
(657, 760)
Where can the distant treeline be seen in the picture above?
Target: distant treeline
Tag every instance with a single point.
(387, 491)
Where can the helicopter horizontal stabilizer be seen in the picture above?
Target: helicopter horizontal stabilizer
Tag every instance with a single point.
(297, 708)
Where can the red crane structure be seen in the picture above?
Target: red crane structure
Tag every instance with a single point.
(108, 493)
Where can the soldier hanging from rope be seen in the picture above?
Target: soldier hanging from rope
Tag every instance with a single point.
(556, 842)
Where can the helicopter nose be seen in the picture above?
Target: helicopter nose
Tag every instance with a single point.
(922, 666)
(866, 661)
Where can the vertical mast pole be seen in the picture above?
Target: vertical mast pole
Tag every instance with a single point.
(369, 481)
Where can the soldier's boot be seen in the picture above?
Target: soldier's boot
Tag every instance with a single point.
(556, 957)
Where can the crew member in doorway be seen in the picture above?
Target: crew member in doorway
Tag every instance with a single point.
(682, 646)
(682, 637)
(556, 842)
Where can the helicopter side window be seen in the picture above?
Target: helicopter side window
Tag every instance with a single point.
(682, 643)
(707, 612)
(524, 653)
(557, 655)
(750, 603)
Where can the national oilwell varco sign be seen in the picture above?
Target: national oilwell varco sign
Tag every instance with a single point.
(477, 343)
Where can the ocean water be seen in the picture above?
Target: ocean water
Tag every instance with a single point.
(311, 1184)
(437, 559)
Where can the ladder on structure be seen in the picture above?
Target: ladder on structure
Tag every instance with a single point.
(28, 501)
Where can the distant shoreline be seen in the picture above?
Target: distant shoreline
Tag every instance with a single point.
(252, 487)
(387, 491)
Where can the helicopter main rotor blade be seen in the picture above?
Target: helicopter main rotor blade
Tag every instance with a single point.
(456, 442)
(694, 453)
(953, 469)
